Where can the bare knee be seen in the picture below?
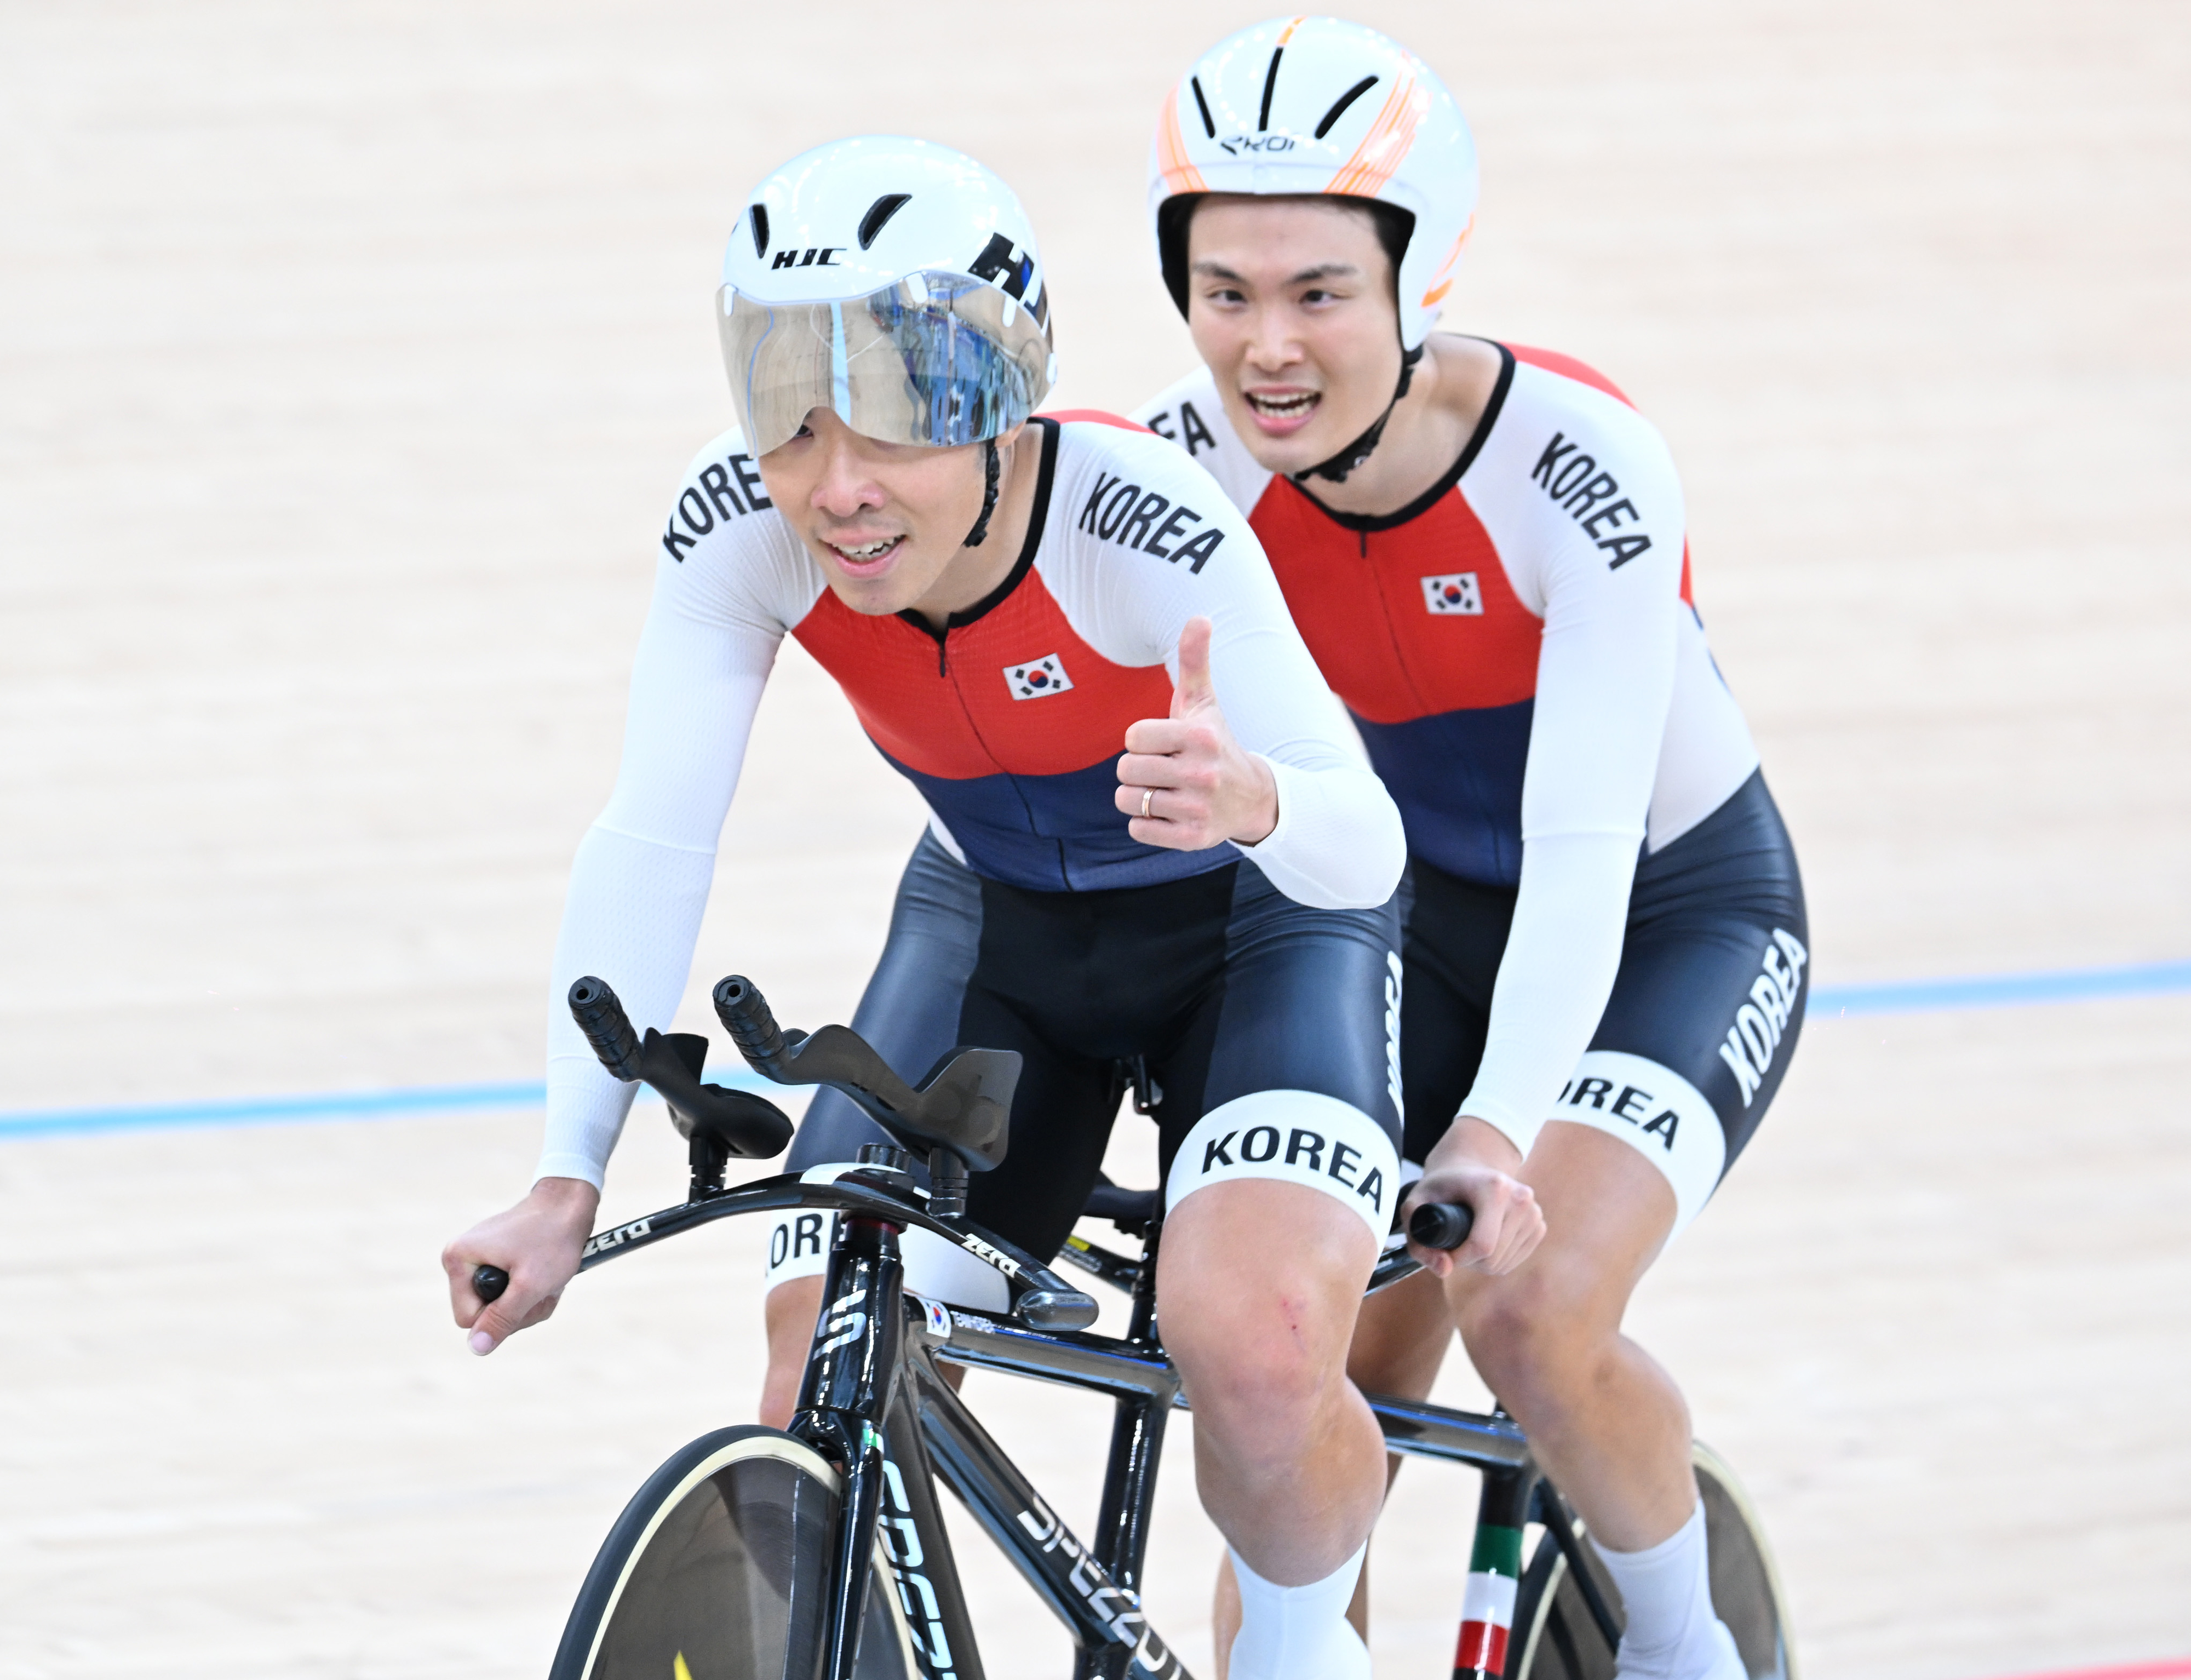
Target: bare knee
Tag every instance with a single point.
(1536, 1337)
(1259, 1326)
(1259, 1366)
(791, 1310)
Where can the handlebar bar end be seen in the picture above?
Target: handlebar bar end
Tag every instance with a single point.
(600, 1015)
(1441, 1225)
(746, 1016)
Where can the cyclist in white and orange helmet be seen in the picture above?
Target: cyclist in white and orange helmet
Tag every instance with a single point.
(1604, 951)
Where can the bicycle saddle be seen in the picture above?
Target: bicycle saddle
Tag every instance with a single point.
(964, 1102)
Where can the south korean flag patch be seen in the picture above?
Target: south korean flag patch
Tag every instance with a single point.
(1037, 678)
(1454, 592)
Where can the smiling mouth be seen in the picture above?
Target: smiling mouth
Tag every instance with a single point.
(1289, 406)
(866, 553)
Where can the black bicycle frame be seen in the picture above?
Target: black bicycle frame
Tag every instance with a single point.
(873, 1402)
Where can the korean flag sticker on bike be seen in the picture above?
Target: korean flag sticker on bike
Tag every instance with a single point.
(1038, 677)
(1454, 592)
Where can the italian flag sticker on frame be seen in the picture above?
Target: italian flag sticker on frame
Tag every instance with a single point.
(1487, 1612)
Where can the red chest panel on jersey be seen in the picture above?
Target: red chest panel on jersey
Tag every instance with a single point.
(1017, 691)
(1406, 623)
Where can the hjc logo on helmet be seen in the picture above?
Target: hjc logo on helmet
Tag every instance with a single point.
(817, 256)
(1003, 264)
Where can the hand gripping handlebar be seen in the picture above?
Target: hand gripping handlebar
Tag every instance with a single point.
(1441, 1225)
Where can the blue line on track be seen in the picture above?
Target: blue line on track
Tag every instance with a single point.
(1998, 991)
(343, 1105)
(1906, 997)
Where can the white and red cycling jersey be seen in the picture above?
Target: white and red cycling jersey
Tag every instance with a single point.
(1520, 651)
(1009, 719)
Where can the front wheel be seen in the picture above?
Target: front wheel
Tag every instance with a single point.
(1557, 1638)
(717, 1570)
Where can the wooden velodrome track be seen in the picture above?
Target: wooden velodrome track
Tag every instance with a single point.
(347, 356)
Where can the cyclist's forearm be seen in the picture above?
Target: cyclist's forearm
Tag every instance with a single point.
(1471, 1141)
(1338, 844)
(1569, 926)
(633, 917)
(639, 884)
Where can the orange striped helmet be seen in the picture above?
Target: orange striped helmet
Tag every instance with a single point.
(1312, 105)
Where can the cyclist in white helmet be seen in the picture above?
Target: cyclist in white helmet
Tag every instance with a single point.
(1605, 954)
(1153, 843)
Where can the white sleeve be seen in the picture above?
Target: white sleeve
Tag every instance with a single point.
(1338, 843)
(1605, 678)
(640, 881)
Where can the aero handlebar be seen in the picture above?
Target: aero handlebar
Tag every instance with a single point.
(747, 1017)
(733, 1122)
(600, 1015)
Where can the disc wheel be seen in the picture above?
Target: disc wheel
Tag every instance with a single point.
(1557, 1638)
(717, 1570)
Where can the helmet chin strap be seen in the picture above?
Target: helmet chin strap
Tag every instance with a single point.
(974, 537)
(1355, 453)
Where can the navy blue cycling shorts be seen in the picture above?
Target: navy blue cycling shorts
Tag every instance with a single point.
(1266, 1029)
(1705, 1009)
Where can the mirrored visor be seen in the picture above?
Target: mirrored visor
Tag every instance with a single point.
(936, 359)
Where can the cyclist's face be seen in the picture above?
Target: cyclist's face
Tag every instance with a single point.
(885, 521)
(1290, 303)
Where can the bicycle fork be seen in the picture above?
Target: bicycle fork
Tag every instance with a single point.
(841, 1402)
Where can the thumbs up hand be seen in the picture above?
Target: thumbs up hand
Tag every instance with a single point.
(1184, 780)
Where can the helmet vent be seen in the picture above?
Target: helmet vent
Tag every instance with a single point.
(880, 213)
(1339, 109)
(758, 214)
(1202, 105)
(1270, 87)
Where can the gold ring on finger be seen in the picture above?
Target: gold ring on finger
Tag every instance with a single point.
(1148, 794)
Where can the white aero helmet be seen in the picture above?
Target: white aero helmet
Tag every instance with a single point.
(1318, 105)
(894, 282)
